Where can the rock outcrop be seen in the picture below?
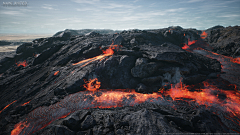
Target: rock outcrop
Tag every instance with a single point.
(144, 60)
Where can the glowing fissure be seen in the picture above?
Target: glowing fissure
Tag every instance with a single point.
(25, 103)
(186, 46)
(56, 72)
(43, 116)
(8, 106)
(105, 54)
(22, 63)
(236, 60)
(203, 35)
(100, 98)
(92, 84)
(206, 97)
(224, 60)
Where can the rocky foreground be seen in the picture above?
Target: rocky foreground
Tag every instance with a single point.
(45, 73)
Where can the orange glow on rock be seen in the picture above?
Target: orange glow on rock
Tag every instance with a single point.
(19, 127)
(191, 42)
(56, 72)
(204, 35)
(186, 46)
(7, 106)
(205, 97)
(23, 63)
(92, 84)
(115, 98)
(26, 103)
(43, 116)
(235, 60)
(106, 53)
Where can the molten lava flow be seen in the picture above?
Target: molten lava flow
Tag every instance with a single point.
(224, 60)
(205, 96)
(7, 106)
(186, 46)
(92, 84)
(204, 35)
(191, 42)
(23, 63)
(117, 98)
(235, 60)
(56, 72)
(19, 127)
(25, 103)
(106, 53)
(43, 116)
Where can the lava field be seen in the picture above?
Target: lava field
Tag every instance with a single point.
(135, 82)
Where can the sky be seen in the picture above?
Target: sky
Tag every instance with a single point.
(49, 17)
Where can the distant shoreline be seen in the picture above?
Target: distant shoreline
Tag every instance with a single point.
(22, 37)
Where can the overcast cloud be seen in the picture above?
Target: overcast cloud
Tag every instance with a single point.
(44, 16)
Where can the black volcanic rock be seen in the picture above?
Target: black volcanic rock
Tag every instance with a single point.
(2, 43)
(143, 119)
(146, 61)
(225, 41)
(85, 31)
(122, 70)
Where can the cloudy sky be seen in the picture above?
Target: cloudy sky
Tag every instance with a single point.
(45, 16)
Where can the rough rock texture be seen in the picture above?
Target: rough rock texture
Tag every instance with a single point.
(225, 41)
(139, 120)
(85, 31)
(147, 61)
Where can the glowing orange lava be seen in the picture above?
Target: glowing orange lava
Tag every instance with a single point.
(7, 106)
(19, 127)
(23, 63)
(115, 98)
(235, 60)
(106, 53)
(186, 46)
(101, 98)
(204, 35)
(205, 96)
(191, 42)
(222, 58)
(92, 84)
(56, 72)
(26, 103)
(43, 116)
